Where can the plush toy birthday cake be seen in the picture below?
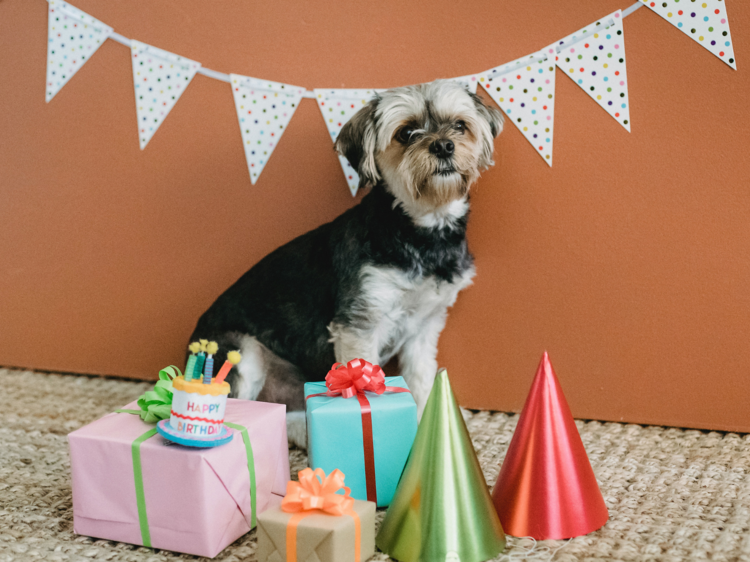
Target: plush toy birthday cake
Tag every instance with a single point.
(199, 400)
(197, 408)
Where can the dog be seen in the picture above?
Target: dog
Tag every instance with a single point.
(376, 282)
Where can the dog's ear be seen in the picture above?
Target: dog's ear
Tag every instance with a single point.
(494, 119)
(492, 115)
(357, 141)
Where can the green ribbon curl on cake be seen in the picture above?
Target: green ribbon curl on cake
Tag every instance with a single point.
(156, 404)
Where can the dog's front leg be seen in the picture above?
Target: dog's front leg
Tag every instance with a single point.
(354, 343)
(418, 359)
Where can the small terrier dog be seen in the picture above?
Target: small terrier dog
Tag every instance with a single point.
(376, 282)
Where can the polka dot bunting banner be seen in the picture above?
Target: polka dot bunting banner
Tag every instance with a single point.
(264, 109)
(160, 78)
(337, 107)
(525, 90)
(705, 22)
(72, 37)
(594, 58)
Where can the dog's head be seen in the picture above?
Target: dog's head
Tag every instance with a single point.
(427, 142)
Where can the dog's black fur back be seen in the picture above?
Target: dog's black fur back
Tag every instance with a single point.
(267, 303)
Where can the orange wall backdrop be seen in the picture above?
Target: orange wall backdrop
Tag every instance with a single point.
(629, 260)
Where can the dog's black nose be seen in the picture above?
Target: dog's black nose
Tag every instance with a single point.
(442, 148)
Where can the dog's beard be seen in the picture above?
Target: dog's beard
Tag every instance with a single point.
(427, 180)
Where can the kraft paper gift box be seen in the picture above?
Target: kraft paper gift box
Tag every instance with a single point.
(335, 437)
(316, 523)
(197, 501)
(320, 537)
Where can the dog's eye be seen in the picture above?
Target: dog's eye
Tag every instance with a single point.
(404, 135)
(460, 126)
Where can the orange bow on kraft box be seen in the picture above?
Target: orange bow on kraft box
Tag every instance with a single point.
(316, 524)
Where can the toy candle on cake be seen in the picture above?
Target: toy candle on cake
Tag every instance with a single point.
(199, 400)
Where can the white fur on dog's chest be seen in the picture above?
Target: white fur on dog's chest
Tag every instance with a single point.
(392, 308)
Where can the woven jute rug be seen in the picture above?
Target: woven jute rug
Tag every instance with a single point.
(671, 494)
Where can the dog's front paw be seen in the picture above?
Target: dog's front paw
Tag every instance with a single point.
(296, 429)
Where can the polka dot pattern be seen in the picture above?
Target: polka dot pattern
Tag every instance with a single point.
(337, 107)
(596, 62)
(525, 90)
(264, 109)
(704, 21)
(72, 37)
(160, 78)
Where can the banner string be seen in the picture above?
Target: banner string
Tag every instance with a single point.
(310, 94)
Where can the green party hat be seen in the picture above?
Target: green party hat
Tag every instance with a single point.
(442, 509)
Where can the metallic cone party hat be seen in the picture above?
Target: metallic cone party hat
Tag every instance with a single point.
(442, 509)
(546, 488)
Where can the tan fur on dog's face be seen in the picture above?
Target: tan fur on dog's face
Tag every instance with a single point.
(415, 174)
(391, 139)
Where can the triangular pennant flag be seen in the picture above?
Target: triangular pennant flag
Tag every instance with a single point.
(705, 22)
(594, 58)
(160, 78)
(525, 90)
(72, 37)
(546, 488)
(442, 509)
(470, 81)
(337, 107)
(264, 109)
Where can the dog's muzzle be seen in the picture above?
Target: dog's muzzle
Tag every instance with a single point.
(445, 167)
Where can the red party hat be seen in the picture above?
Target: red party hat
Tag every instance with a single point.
(546, 488)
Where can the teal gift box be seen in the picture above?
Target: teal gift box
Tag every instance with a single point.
(337, 437)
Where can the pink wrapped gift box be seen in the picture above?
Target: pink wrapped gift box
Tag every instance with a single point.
(197, 500)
